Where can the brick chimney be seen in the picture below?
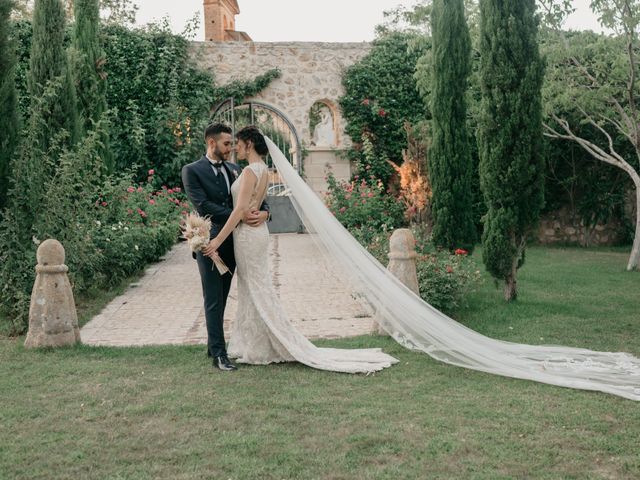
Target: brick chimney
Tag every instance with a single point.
(220, 21)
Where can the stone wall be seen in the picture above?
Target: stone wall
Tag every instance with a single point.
(311, 73)
(561, 227)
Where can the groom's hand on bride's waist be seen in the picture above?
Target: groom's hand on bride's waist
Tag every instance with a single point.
(255, 218)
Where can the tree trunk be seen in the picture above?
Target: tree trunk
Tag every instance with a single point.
(634, 258)
(510, 285)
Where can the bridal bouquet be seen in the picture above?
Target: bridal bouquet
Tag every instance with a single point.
(196, 231)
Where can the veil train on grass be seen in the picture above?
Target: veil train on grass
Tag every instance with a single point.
(418, 326)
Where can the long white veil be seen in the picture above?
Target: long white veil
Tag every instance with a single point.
(416, 325)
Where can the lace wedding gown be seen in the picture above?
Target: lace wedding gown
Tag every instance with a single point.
(262, 332)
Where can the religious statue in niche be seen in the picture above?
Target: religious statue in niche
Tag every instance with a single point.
(321, 120)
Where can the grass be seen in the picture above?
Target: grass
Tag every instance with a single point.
(162, 412)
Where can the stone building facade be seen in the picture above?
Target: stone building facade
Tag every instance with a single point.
(311, 75)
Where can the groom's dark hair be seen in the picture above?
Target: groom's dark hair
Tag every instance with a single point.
(216, 129)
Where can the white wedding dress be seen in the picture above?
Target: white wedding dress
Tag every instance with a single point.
(262, 333)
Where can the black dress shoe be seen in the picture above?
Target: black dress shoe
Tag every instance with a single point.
(224, 364)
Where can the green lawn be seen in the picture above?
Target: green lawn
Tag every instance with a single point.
(147, 413)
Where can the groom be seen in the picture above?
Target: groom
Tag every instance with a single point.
(208, 185)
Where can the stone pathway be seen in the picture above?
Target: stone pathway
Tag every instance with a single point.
(165, 305)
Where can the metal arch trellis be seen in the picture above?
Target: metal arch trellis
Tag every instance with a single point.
(271, 121)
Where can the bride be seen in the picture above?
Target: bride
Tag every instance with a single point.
(262, 332)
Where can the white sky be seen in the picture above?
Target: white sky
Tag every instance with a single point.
(309, 20)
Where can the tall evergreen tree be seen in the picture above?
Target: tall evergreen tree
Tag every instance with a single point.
(450, 163)
(510, 134)
(9, 116)
(88, 73)
(49, 69)
(88, 59)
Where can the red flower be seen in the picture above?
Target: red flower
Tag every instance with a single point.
(461, 251)
(382, 113)
(152, 171)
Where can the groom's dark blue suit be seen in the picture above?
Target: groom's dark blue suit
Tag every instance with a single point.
(211, 198)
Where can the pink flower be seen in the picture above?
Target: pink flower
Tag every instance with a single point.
(461, 251)
(382, 113)
(152, 202)
(104, 204)
(164, 187)
(184, 212)
(170, 190)
(449, 269)
(177, 189)
(370, 194)
(131, 189)
(152, 171)
(343, 209)
(365, 101)
(139, 189)
(142, 213)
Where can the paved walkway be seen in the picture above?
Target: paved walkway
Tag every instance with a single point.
(165, 305)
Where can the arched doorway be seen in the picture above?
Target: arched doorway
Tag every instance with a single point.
(273, 123)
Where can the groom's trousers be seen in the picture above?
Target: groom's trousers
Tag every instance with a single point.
(215, 290)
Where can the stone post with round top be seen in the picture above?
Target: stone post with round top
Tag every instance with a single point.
(402, 263)
(53, 321)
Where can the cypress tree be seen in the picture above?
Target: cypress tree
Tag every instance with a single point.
(49, 68)
(450, 163)
(9, 116)
(510, 134)
(88, 74)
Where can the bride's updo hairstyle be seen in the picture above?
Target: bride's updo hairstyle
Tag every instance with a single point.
(253, 135)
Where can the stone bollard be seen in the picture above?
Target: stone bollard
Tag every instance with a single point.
(53, 321)
(402, 263)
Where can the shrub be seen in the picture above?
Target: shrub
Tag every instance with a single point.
(358, 204)
(445, 278)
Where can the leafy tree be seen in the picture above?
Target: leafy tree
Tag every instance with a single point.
(8, 100)
(48, 65)
(510, 134)
(112, 11)
(381, 95)
(450, 164)
(600, 79)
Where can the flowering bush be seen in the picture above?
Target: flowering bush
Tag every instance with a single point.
(135, 225)
(444, 278)
(358, 204)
